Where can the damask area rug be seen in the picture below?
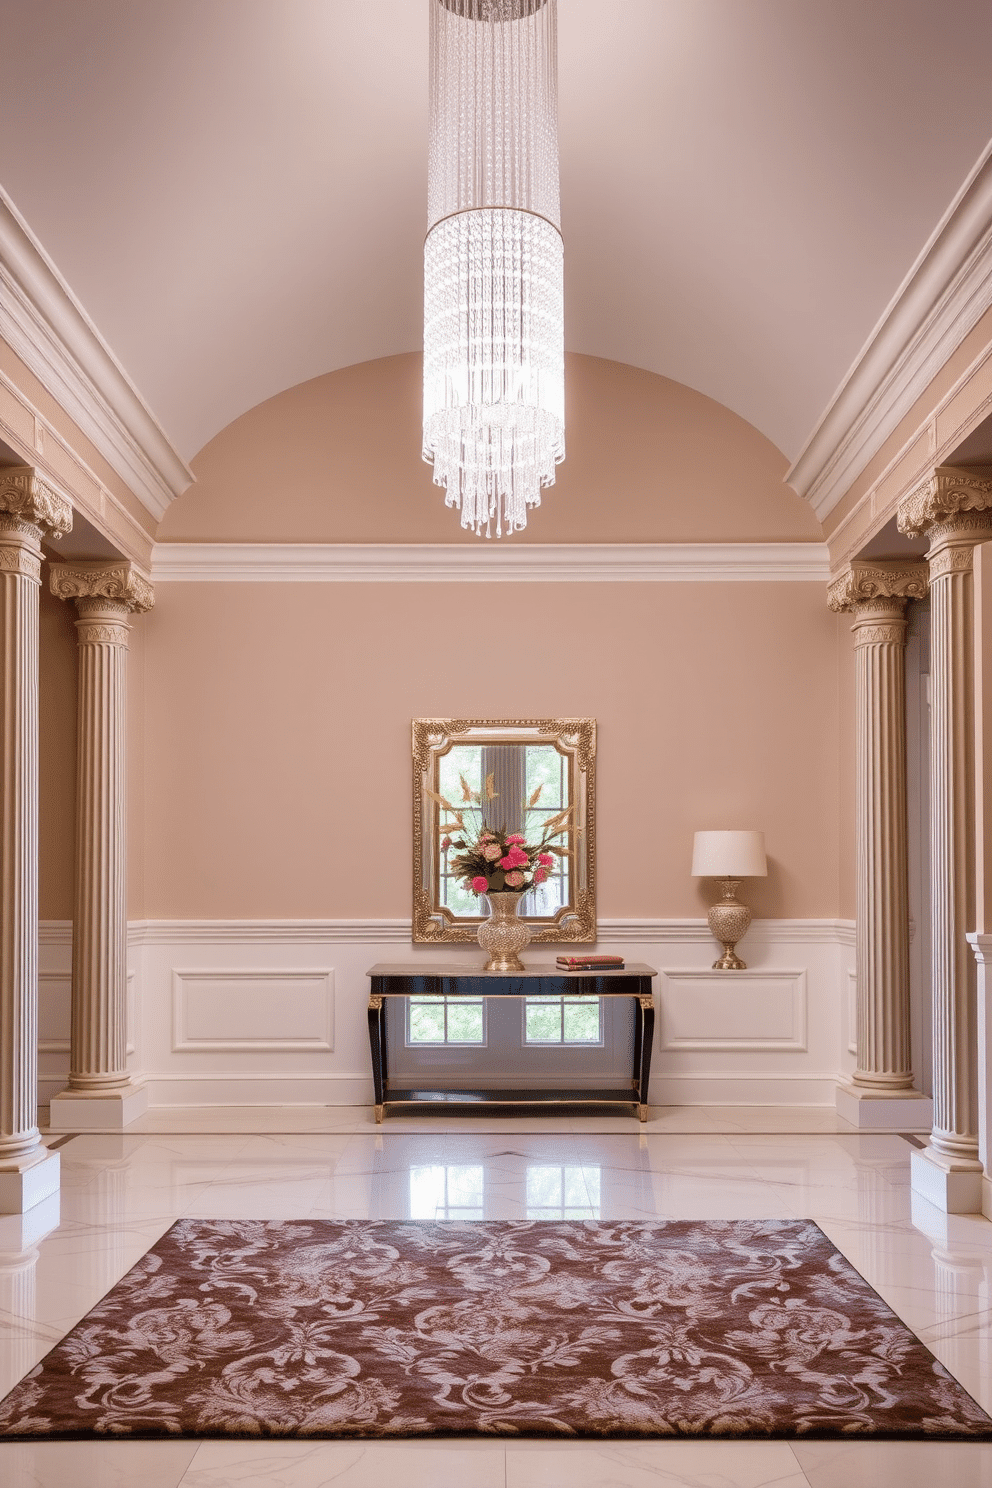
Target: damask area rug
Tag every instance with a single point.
(670, 1328)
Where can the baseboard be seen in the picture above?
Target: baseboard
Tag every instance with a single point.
(254, 1089)
(743, 1089)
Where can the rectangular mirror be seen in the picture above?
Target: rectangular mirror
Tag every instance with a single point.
(512, 774)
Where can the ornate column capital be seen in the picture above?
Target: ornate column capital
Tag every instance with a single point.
(948, 493)
(27, 498)
(866, 581)
(119, 583)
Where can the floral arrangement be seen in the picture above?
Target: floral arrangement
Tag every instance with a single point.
(489, 859)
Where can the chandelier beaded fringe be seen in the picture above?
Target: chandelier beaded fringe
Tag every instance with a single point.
(494, 353)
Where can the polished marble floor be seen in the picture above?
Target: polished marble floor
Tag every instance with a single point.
(120, 1193)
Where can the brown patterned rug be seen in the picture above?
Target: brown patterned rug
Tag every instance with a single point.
(662, 1328)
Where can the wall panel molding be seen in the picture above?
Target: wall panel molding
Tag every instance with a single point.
(218, 970)
(250, 1011)
(456, 563)
(744, 1012)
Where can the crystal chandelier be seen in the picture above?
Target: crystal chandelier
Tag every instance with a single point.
(494, 344)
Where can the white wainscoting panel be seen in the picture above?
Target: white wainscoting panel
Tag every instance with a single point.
(233, 1012)
(742, 1011)
(226, 1011)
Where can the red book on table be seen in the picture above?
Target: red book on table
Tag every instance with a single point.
(591, 963)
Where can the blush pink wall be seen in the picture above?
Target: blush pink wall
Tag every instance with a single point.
(277, 734)
(337, 459)
(56, 754)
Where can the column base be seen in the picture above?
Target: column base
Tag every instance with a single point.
(29, 1181)
(953, 1185)
(78, 1110)
(874, 1110)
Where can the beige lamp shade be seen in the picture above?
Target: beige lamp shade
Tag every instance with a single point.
(729, 855)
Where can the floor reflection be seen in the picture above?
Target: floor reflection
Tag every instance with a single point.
(120, 1193)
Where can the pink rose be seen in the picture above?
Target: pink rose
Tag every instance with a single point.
(517, 857)
(514, 880)
(545, 860)
(540, 874)
(480, 884)
(507, 862)
(491, 851)
(516, 837)
(445, 843)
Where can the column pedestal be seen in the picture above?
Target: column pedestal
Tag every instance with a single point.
(102, 1093)
(952, 510)
(75, 1111)
(29, 508)
(881, 1093)
(902, 1110)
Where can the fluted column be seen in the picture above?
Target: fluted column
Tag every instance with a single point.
(29, 510)
(101, 1093)
(881, 1092)
(952, 509)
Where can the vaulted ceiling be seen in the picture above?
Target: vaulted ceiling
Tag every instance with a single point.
(235, 189)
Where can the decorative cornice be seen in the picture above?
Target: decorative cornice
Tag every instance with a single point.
(948, 492)
(942, 298)
(120, 582)
(545, 563)
(863, 581)
(25, 496)
(43, 322)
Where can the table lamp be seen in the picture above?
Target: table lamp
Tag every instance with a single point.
(729, 857)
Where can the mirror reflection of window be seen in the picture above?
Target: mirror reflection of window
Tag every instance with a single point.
(563, 1191)
(563, 1020)
(521, 773)
(445, 1020)
(451, 1192)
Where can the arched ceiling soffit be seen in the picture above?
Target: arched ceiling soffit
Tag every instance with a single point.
(235, 191)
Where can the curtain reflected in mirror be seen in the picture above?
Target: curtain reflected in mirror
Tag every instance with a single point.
(516, 776)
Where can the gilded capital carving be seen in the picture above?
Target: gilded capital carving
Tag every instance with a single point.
(26, 497)
(948, 492)
(119, 582)
(864, 581)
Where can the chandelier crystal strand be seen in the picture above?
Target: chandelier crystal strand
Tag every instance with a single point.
(494, 346)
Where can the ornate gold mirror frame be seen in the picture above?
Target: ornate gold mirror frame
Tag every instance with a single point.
(440, 746)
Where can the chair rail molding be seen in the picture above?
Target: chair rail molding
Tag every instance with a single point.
(457, 563)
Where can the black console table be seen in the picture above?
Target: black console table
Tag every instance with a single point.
(392, 980)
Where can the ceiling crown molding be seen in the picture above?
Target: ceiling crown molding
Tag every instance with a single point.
(460, 563)
(944, 295)
(43, 322)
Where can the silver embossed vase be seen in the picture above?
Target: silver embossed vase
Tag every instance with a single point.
(504, 935)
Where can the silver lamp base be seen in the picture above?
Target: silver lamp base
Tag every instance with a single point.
(729, 921)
